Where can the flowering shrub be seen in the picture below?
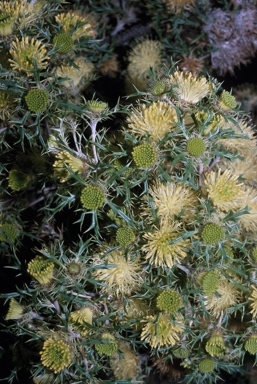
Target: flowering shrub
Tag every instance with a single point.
(142, 240)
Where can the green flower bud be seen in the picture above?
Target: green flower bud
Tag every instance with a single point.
(92, 197)
(254, 254)
(212, 233)
(210, 282)
(195, 146)
(227, 101)
(169, 301)
(37, 100)
(181, 353)
(18, 180)
(215, 345)
(63, 42)
(109, 347)
(73, 268)
(206, 366)
(158, 88)
(96, 106)
(144, 155)
(125, 236)
(251, 345)
(8, 232)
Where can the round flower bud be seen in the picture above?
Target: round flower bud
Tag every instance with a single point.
(18, 180)
(37, 100)
(92, 197)
(195, 146)
(251, 345)
(169, 301)
(212, 233)
(144, 155)
(180, 353)
(158, 88)
(125, 236)
(8, 232)
(227, 101)
(41, 269)
(108, 347)
(215, 345)
(55, 355)
(206, 365)
(73, 268)
(63, 42)
(210, 282)
(96, 106)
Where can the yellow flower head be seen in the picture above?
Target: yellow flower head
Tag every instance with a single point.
(122, 275)
(224, 190)
(156, 121)
(80, 317)
(41, 269)
(215, 345)
(161, 331)
(109, 347)
(55, 355)
(25, 52)
(245, 168)
(227, 296)
(249, 220)
(15, 311)
(188, 88)
(77, 76)
(177, 6)
(145, 55)
(65, 159)
(171, 199)
(158, 249)
(124, 368)
(253, 299)
(76, 25)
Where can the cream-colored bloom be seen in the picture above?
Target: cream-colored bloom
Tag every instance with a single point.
(161, 331)
(172, 199)
(122, 275)
(155, 120)
(15, 311)
(224, 190)
(245, 168)
(27, 51)
(249, 220)
(189, 88)
(76, 24)
(253, 299)
(158, 249)
(126, 367)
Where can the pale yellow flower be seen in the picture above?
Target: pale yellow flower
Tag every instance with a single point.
(188, 88)
(122, 275)
(126, 367)
(158, 249)
(227, 296)
(145, 55)
(171, 199)
(249, 220)
(161, 331)
(65, 159)
(253, 299)
(245, 168)
(156, 120)
(224, 190)
(15, 311)
(76, 24)
(27, 51)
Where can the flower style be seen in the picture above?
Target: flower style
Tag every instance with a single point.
(215, 345)
(158, 249)
(145, 55)
(161, 331)
(124, 368)
(253, 299)
(65, 159)
(41, 269)
(27, 51)
(15, 311)
(156, 121)
(76, 77)
(109, 347)
(76, 25)
(55, 355)
(248, 221)
(224, 190)
(121, 275)
(172, 199)
(189, 88)
(227, 296)
(169, 301)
